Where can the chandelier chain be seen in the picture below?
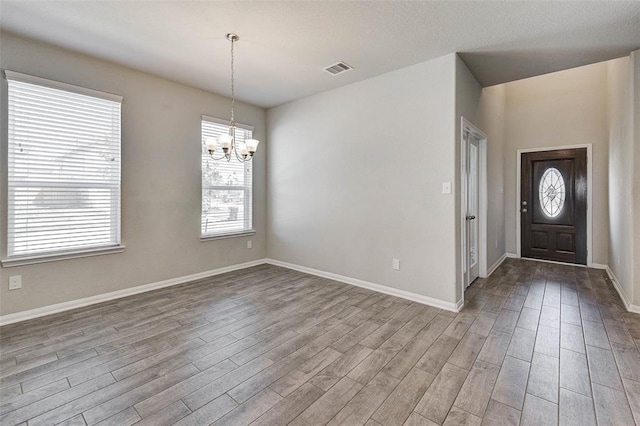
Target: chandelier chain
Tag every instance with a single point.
(233, 87)
(247, 148)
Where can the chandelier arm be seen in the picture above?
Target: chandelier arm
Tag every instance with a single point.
(242, 160)
(217, 159)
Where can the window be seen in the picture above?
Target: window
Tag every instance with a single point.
(63, 168)
(551, 192)
(226, 185)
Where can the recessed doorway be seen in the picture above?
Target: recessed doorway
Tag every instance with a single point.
(553, 215)
(473, 202)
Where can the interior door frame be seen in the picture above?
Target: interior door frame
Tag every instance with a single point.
(519, 153)
(466, 125)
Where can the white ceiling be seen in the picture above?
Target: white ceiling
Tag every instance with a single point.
(285, 44)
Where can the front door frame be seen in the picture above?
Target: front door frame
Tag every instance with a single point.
(588, 146)
(482, 199)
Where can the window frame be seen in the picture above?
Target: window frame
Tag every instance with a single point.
(73, 252)
(248, 191)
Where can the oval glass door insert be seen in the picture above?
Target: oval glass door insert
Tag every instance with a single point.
(551, 192)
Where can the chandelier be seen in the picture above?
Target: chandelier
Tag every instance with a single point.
(227, 143)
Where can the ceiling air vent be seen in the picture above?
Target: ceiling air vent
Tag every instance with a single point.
(338, 68)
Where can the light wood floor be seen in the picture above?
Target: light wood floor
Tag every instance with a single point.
(535, 344)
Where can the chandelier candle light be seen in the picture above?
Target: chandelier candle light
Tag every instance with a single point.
(243, 151)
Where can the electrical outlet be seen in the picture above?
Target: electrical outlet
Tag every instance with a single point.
(249, 244)
(395, 264)
(446, 187)
(15, 282)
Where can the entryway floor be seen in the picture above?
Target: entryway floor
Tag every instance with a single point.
(536, 344)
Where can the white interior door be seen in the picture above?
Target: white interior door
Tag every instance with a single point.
(472, 186)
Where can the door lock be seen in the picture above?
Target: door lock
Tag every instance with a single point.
(524, 203)
(471, 217)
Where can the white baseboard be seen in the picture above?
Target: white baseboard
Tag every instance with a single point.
(453, 307)
(512, 255)
(459, 304)
(496, 265)
(598, 266)
(92, 300)
(625, 299)
(437, 303)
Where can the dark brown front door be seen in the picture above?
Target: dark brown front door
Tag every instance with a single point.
(553, 205)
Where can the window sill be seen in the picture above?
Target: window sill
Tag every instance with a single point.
(229, 235)
(43, 258)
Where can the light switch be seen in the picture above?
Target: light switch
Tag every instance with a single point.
(446, 187)
(395, 264)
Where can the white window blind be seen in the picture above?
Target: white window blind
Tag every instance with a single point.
(63, 168)
(226, 185)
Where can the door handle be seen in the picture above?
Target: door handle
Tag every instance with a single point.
(524, 210)
(471, 217)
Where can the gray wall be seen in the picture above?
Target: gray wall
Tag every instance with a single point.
(160, 181)
(468, 92)
(485, 108)
(621, 172)
(563, 108)
(635, 83)
(355, 176)
(491, 119)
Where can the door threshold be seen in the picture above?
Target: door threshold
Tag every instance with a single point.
(580, 265)
(471, 283)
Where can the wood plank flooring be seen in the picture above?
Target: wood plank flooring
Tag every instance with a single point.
(536, 344)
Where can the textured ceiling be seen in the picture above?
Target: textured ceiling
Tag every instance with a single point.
(284, 45)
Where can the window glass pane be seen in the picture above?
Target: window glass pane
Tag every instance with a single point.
(63, 171)
(226, 187)
(551, 192)
(223, 211)
(473, 202)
